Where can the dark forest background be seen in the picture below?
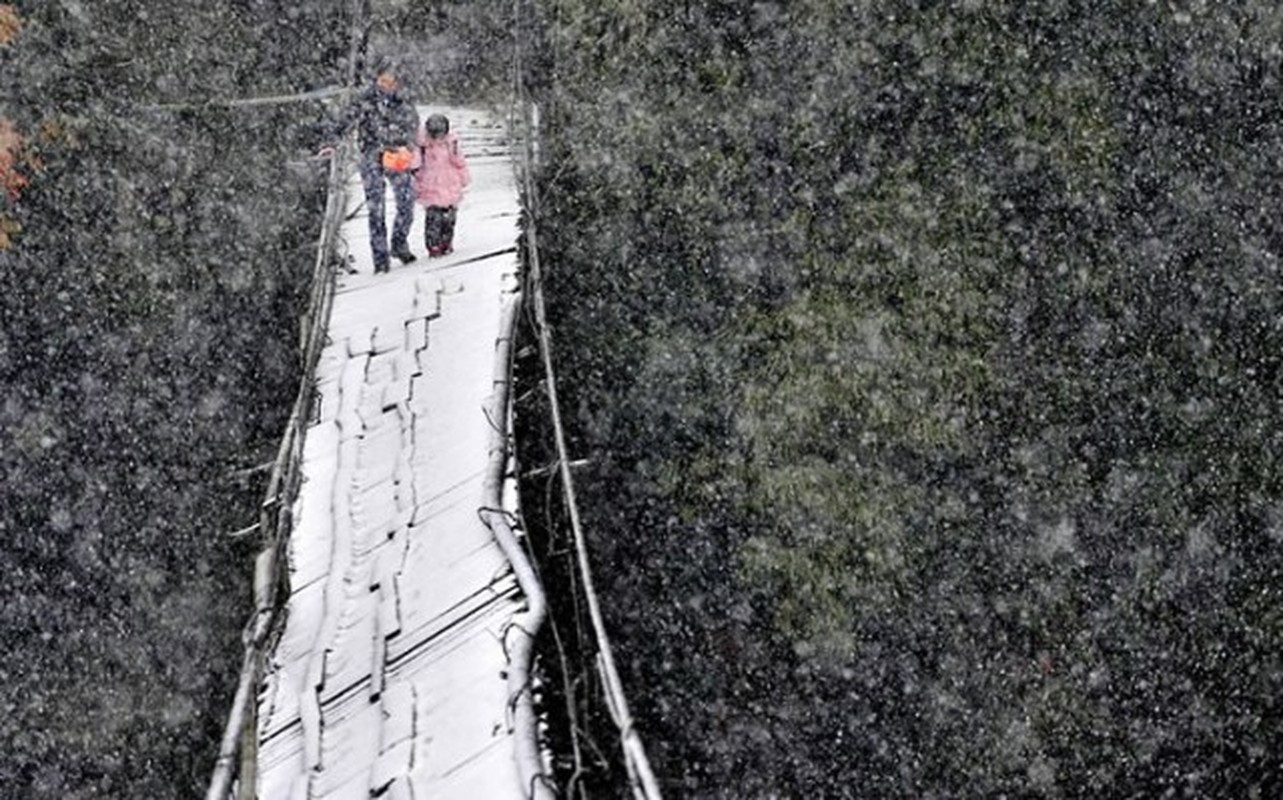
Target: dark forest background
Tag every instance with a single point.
(925, 358)
(148, 356)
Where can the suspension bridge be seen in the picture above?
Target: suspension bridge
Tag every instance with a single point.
(390, 651)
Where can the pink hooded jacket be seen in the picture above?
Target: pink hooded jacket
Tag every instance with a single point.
(443, 172)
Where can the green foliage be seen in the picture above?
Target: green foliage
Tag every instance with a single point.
(926, 355)
(456, 51)
(148, 352)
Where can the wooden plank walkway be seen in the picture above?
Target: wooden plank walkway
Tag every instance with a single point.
(388, 679)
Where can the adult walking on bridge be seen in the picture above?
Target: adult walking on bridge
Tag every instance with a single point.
(387, 123)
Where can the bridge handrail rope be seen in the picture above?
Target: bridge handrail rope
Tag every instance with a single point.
(271, 576)
(641, 777)
(519, 638)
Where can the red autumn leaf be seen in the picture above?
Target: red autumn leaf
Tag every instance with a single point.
(11, 180)
(10, 23)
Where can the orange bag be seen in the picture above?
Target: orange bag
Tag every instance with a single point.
(398, 160)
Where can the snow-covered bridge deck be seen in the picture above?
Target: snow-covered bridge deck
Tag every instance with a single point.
(388, 678)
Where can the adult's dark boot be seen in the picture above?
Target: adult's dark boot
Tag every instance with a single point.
(404, 255)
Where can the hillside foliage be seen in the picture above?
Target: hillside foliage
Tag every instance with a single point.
(157, 265)
(926, 360)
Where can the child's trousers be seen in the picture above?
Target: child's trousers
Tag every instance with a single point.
(438, 229)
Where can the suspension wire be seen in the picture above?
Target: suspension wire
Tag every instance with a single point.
(641, 777)
(323, 93)
(567, 684)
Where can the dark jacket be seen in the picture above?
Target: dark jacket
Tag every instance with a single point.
(384, 120)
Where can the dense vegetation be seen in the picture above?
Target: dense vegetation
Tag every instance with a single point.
(148, 353)
(926, 358)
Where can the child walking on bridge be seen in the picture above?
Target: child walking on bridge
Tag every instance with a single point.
(439, 183)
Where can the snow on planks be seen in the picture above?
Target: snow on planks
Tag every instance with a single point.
(388, 678)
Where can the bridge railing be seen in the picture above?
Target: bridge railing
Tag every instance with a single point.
(271, 575)
(641, 777)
